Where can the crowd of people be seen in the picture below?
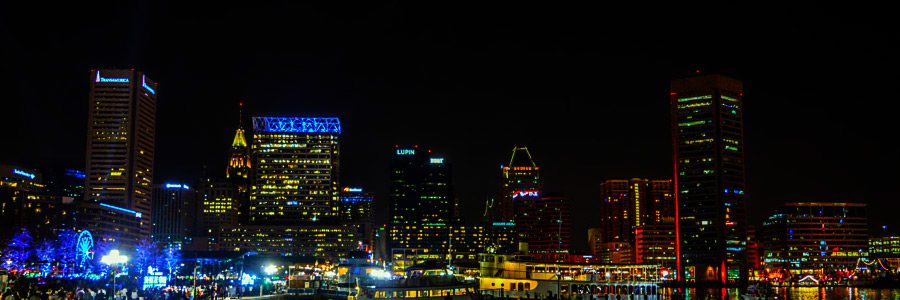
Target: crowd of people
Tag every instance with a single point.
(63, 289)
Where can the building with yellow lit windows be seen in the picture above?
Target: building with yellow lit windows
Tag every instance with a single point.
(421, 202)
(295, 171)
(218, 210)
(120, 153)
(294, 198)
(814, 238)
(327, 241)
(626, 205)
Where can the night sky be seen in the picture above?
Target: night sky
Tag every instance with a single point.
(585, 88)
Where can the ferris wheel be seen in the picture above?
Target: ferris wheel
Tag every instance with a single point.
(84, 243)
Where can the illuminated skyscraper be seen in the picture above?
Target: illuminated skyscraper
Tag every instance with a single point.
(174, 212)
(218, 210)
(295, 170)
(421, 200)
(519, 179)
(357, 210)
(294, 197)
(707, 133)
(238, 170)
(120, 149)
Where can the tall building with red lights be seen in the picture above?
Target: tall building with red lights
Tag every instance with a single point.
(708, 143)
(121, 139)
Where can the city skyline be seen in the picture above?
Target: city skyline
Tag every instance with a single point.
(796, 152)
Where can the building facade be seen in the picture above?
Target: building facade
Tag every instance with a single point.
(814, 238)
(707, 134)
(218, 210)
(357, 210)
(545, 224)
(519, 179)
(627, 205)
(327, 241)
(422, 203)
(595, 241)
(295, 171)
(120, 152)
(174, 214)
(26, 202)
(884, 247)
(655, 244)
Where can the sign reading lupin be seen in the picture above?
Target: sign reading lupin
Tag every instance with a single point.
(406, 151)
(111, 79)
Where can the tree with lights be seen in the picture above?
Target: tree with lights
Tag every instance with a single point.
(18, 249)
(171, 256)
(146, 253)
(65, 249)
(45, 255)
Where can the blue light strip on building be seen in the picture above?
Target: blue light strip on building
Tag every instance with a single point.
(146, 86)
(176, 186)
(75, 173)
(23, 173)
(136, 214)
(354, 199)
(297, 124)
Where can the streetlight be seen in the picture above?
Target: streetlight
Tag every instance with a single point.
(113, 259)
(270, 269)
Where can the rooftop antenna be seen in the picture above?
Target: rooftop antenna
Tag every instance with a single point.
(241, 115)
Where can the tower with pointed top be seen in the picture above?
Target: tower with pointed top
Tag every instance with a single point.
(238, 170)
(520, 179)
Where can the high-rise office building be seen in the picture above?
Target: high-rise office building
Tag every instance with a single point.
(357, 210)
(26, 203)
(628, 204)
(814, 238)
(421, 200)
(545, 224)
(295, 171)
(238, 170)
(120, 152)
(174, 214)
(294, 197)
(707, 134)
(655, 244)
(519, 179)
(218, 210)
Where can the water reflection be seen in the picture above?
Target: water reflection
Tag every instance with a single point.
(795, 293)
